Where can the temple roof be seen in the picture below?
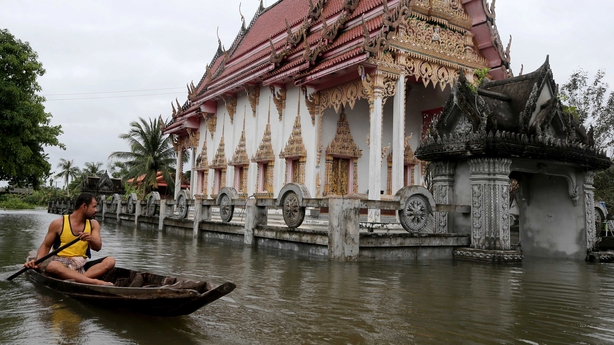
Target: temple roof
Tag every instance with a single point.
(515, 117)
(317, 42)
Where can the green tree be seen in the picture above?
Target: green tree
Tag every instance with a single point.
(24, 124)
(68, 170)
(92, 169)
(592, 103)
(118, 169)
(604, 187)
(150, 152)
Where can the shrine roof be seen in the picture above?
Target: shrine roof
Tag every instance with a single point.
(516, 117)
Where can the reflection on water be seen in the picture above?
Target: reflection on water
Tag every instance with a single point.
(285, 298)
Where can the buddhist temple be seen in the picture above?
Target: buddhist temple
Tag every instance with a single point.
(335, 95)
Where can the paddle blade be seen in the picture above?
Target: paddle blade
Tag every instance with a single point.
(18, 273)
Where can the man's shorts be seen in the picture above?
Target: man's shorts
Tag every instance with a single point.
(76, 263)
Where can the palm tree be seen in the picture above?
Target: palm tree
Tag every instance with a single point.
(92, 169)
(68, 170)
(150, 152)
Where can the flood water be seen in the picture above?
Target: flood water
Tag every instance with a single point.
(286, 298)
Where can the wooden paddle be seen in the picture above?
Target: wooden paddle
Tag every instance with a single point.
(45, 257)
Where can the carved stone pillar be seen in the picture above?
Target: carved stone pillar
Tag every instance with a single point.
(589, 204)
(443, 189)
(398, 136)
(490, 223)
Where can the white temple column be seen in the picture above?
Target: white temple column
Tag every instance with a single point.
(193, 174)
(398, 135)
(178, 173)
(375, 153)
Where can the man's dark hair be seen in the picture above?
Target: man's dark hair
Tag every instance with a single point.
(84, 198)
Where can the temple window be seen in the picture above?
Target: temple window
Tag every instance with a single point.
(293, 170)
(217, 181)
(262, 177)
(238, 182)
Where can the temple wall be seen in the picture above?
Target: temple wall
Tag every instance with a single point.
(419, 99)
(549, 222)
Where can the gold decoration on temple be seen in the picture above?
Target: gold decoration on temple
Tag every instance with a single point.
(202, 163)
(176, 111)
(210, 122)
(219, 161)
(294, 146)
(367, 86)
(296, 149)
(279, 98)
(266, 157)
(450, 47)
(342, 95)
(191, 90)
(338, 154)
(253, 94)
(444, 12)
(240, 156)
(431, 72)
(219, 165)
(265, 149)
(202, 169)
(432, 42)
(319, 147)
(375, 44)
(312, 102)
(231, 106)
(343, 144)
(193, 138)
(277, 58)
(318, 185)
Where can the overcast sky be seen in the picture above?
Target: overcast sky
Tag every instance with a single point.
(110, 62)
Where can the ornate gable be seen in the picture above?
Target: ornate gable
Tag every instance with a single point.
(343, 144)
(219, 161)
(295, 146)
(240, 156)
(202, 162)
(265, 150)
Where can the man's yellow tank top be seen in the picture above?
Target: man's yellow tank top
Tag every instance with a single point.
(80, 248)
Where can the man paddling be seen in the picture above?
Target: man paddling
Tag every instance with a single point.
(70, 263)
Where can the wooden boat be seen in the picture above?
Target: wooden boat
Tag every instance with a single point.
(140, 292)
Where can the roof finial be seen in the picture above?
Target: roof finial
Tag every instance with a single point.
(242, 18)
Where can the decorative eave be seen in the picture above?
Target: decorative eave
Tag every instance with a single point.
(499, 144)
